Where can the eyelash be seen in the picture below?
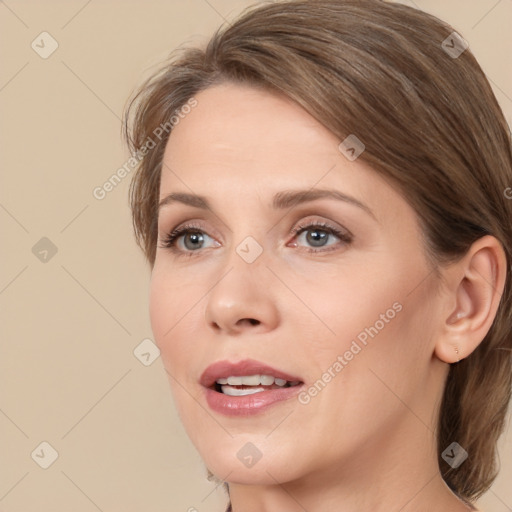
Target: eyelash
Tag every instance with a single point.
(169, 242)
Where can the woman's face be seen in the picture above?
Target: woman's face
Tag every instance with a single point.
(347, 305)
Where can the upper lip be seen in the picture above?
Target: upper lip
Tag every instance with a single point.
(224, 369)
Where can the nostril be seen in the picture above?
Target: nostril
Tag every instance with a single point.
(252, 321)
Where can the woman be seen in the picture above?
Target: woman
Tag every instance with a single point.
(324, 200)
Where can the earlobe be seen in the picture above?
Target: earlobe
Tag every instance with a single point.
(474, 288)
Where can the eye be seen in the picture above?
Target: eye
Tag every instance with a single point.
(319, 235)
(186, 239)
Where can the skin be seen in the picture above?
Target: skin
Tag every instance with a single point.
(366, 442)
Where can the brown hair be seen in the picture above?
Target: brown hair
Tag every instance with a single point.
(431, 126)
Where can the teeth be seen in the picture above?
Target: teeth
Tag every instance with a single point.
(252, 380)
(228, 390)
(257, 381)
(267, 380)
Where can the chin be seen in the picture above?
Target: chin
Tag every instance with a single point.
(241, 462)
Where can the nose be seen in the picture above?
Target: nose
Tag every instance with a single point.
(242, 299)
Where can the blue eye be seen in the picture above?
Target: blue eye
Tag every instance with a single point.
(193, 239)
(317, 236)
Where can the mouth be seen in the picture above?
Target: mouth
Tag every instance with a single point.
(247, 387)
(245, 375)
(251, 384)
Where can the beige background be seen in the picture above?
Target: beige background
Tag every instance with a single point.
(70, 325)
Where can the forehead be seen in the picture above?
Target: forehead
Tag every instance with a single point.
(239, 122)
(249, 133)
(247, 142)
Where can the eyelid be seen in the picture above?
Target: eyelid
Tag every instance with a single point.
(313, 220)
(197, 223)
(344, 235)
(180, 230)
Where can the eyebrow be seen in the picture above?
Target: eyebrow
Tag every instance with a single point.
(280, 201)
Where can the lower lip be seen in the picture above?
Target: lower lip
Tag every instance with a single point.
(248, 405)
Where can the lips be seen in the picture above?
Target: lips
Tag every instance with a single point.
(225, 369)
(233, 401)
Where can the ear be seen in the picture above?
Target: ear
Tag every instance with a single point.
(474, 286)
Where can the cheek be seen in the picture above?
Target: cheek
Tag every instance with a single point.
(377, 315)
(386, 334)
(171, 306)
(379, 352)
(349, 301)
(161, 306)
